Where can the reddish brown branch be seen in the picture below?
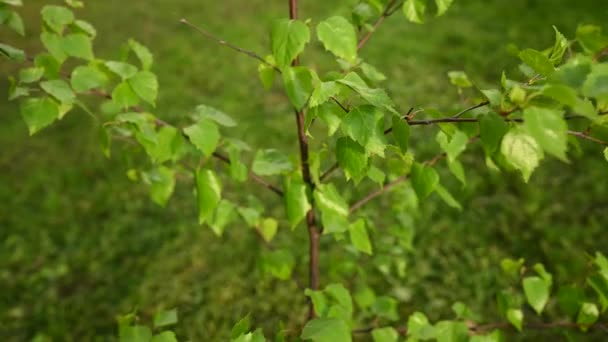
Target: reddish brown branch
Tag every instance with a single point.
(314, 233)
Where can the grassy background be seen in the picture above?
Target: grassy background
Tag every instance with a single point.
(80, 243)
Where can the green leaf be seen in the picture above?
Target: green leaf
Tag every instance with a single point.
(221, 118)
(84, 27)
(333, 207)
(455, 146)
(339, 37)
(606, 153)
(169, 146)
(521, 151)
(145, 85)
(359, 237)
(241, 327)
(205, 135)
(57, 17)
(386, 334)
(596, 84)
(537, 61)
(326, 330)
(424, 180)
(279, 263)
(15, 22)
(60, 90)
(78, 45)
(267, 75)
(138, 333)
(386, 307)
(414, 10)
(53, 43)
(143, 54)
(271, 162)
(165, 317)
(376, 97)
(13, 53)
(238, 170)
(85, 78)
(419, 328)
(298, 85)
(569, 299)
(30, 75)
(162, 183)
(352, 158)
(591, 38)
(372, 74)
(39, 113)
(460, 79)
(559, 48)
(588, 315)
(208, 190)
(296, 200)
(401, 132)
(376, 175)
(365, 125)
(124, 96)
(323, 92)
(319, 301)
(124, 70)
(224, 214)
(50, 65)
(549, 129)
(516, 318)
(165, 336)
(443, 6)
(288, 38)
(493, 95)
(268, 229)
(492, 128)
(451, 331)
(537, 292)
(331, 115)
(447, 197)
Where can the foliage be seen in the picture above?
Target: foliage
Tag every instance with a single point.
(518, 122)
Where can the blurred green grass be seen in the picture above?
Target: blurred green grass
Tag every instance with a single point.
(80, 243)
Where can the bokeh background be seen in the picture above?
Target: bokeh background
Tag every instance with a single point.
(80, 243)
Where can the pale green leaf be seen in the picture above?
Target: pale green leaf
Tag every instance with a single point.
(162, 184)
(54, 45)
(447, 197)
(522, 151)
(588, 315)
(451, 331)
(419, 328)
(376, 97)
(138, 333)
(492, 128)
(11, 52)
(84, 27)
(339, 37)
(334, 209)
(223, 215)
(401, 132)
(165, 336)
(268, 228)
(460, 79)
(15, 22)
(591, 38)
(559, 48)
(549, 129)
(205, 136)
(208, 190)
(323, 92)
(279, 263)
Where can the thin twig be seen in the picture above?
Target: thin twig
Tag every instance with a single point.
(466, 110)
(228, 44)
(387, 12)
(584, 135)
(252, 175)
